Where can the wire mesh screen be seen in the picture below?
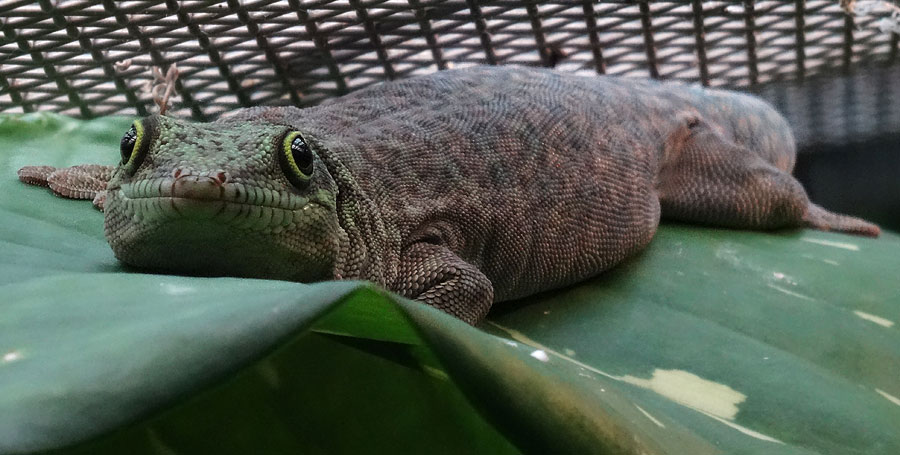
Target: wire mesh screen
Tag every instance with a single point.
(839, 111)
(93, 58)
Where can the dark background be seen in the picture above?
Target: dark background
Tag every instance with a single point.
(861, 179)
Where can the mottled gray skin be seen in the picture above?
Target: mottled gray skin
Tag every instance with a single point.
(460, 188)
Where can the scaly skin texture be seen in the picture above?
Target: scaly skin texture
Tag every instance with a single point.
(458, 189)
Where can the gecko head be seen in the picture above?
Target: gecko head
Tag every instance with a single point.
(231, 198)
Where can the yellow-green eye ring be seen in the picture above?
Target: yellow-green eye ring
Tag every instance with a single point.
(296, 159)
(131, 146)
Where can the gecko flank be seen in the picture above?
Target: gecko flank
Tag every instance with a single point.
(457, 189)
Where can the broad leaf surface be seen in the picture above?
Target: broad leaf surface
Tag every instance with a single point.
(711, 341)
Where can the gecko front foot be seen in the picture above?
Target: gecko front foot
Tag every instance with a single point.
(86, 181)
(36, 175)
(434, 275)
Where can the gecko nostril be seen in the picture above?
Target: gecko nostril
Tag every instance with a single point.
(222, 177)
(178, 172)
(693, 121)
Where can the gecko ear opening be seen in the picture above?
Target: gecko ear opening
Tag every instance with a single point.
(133, 147)
(296, 160)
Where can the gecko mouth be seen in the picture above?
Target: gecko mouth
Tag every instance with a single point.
(202, 199)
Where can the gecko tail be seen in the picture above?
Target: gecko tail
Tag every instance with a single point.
(817, 217)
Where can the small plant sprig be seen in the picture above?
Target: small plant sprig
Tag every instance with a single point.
(888, 9)
(162, 86)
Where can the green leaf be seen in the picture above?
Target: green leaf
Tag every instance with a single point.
(710, 341)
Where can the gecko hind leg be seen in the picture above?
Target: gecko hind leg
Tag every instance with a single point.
(86, 181)
(714, 181)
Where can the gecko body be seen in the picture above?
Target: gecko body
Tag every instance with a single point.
(457, 189)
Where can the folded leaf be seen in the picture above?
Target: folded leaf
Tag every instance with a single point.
(710, 341)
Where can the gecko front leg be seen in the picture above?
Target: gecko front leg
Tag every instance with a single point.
(85, 181)
(434, 275)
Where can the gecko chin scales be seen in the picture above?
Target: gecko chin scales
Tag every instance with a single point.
(241, 247)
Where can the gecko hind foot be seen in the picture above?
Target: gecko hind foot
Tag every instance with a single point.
(817, 217)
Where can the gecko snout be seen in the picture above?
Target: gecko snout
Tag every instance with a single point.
(219, 176)
(199, 185)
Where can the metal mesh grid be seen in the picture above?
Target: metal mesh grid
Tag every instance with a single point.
(91, 58)
(840, 111)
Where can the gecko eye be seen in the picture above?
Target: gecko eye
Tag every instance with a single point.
(296, 160)
(127, 145)
(132, 151)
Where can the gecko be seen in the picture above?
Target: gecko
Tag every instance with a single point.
(457, 189)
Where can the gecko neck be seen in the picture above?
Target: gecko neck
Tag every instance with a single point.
(363, 240)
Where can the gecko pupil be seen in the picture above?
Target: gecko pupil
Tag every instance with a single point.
(127, 144)
(302, 155)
